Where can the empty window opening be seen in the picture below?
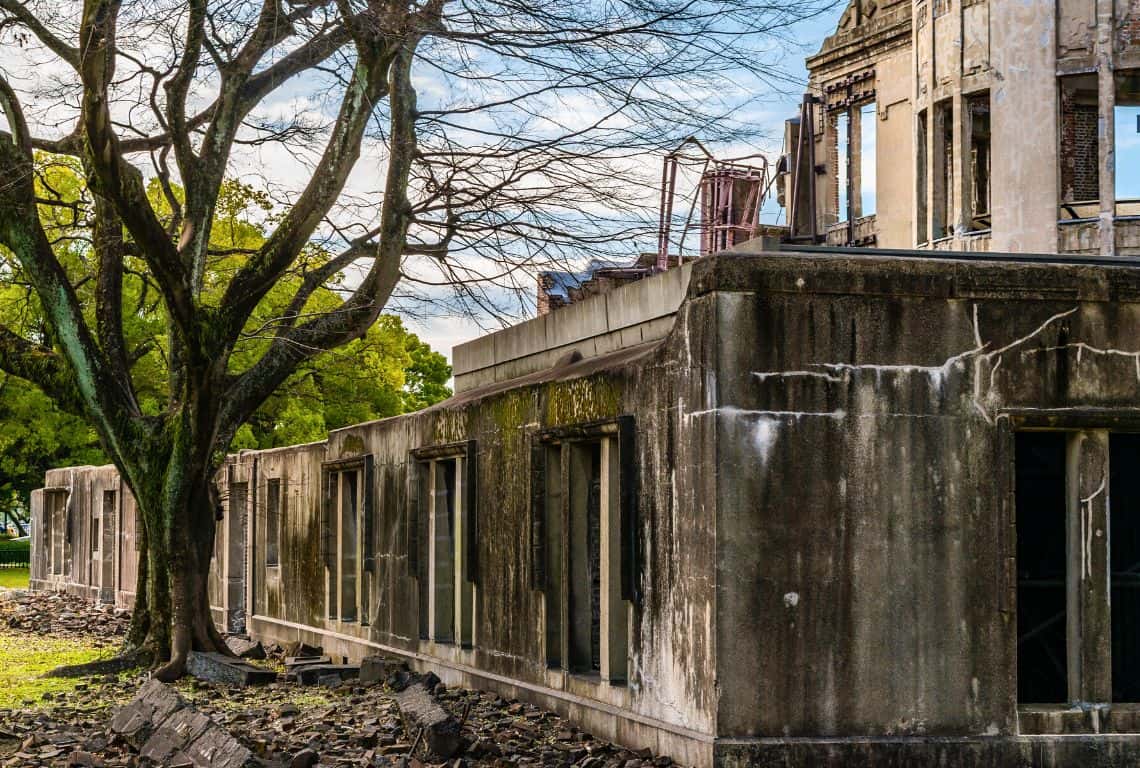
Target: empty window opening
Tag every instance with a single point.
(585, 558)
(442, 555)
(943, 197)
(342, 539)
(1080, 165)
(921, 233)
(1124, 559)
(1042, 587)
(978, 107)
(108, 520)
(1126, 121)
(236, 522)
(552, 533)
(56, 504)
(868, 147)
(349, 543)
(273, 521)
(582, 558)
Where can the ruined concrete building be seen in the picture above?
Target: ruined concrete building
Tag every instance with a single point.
(800, 506)
(972, 125)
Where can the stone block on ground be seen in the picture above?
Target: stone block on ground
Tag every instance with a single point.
(245, 648)
(298, 648)
(313, 673)
(137, 720)
(302, 661)
(377, 669)
(216, 668)
(168, 731)
(421, 712)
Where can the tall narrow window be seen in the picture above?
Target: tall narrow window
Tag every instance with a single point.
(553, 516)
(442, 555)
(588, 523)
(978, 107)
(1126, 121)
(1042, 586)
(272, 521)
(585, 558)
(446, 476)
(920, 176)
(1080, 165)
(868, 147)
(349, 542)
(944, 212)
(843, 166)
(109, 524)
(347, 488)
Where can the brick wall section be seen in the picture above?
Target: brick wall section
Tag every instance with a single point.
(1080, 175)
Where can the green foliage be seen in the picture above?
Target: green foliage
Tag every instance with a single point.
(388, 372)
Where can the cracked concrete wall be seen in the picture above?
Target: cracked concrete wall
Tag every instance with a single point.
(864, 475)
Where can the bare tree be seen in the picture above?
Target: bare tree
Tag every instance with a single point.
(509, 136)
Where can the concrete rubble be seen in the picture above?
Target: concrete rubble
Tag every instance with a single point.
(168, 731)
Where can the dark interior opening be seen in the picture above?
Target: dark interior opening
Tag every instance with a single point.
(444, 562)
(585, 594)
(1042, 672)
(1124, 556)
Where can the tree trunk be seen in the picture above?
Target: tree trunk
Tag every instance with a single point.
(178, 506)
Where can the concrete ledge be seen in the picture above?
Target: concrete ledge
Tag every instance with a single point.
(628, 315)
(1080, 751)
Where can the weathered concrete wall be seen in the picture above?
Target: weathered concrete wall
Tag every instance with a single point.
(863, 479)
(90, 550)
(1025, 118)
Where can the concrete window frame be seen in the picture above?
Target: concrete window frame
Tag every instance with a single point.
(1089, 655)
(348, 537)
(443, 539)
(588, 616)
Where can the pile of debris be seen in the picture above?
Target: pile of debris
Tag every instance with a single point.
(306, 709)
(62, 615)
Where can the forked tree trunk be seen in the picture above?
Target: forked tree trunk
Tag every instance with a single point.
(178, 508)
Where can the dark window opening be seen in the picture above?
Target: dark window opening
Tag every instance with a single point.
(349, 543)
(584, 604)
(921, 233)
(944, 213)
(1080, 165)
(978, 107)
(1042, 628)
(443, 553)
(272, 521)
(552, 520)
(1124, 557)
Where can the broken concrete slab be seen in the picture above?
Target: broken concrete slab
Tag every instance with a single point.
(168, 731)
(216, 668)
(300, 661)
(136, 721)
(377, 669)
(422, 713)
(312, 674)
(245, 648)
(298, 648)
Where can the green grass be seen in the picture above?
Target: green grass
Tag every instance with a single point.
(24, 658)
(14, 578)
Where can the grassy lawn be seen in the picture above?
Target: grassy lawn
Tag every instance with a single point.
(23, 658)
(14, 578)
